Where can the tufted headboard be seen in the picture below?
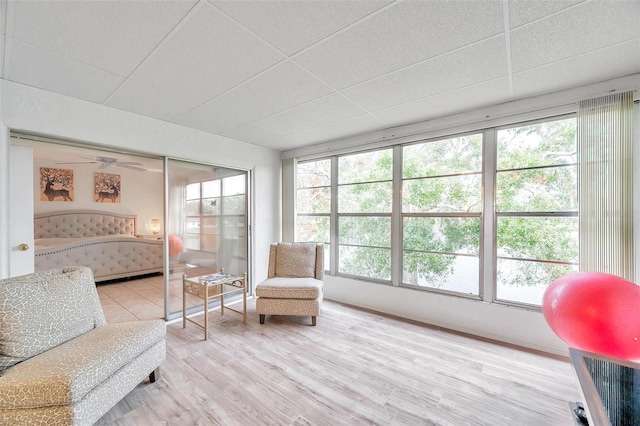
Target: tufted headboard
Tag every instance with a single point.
(83, 223)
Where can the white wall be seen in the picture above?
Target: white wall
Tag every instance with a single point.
(516, 326)
(33, 110)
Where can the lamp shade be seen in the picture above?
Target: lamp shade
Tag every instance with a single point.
(155, 226)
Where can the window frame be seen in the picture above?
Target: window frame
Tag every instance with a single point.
(498, 214)
(488, 214)
(330, 215)
(444, 215)
(339, 215)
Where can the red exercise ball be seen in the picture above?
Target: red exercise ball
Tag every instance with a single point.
(595, 312)
(175, 245)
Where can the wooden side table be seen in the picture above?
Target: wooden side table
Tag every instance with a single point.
(210, 286)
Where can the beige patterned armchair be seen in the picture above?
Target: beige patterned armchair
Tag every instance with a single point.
(294, 285)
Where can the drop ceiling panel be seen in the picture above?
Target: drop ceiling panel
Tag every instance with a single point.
(3, 17)
(281, 87)
(293, 25)
(349, 127)
(260, 135)
(206, 56)
(480, 95)
(209, 120)
(2, 44)
(26, 65)
(443, 73)
(142, 99)
(572, 32)
(619, 60)
(113, 36)
(285, 74)
(407, 33)
(524, 11)
(316, 113)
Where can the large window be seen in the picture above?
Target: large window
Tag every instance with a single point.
(364, 214)
(420, 215)
(313, 203)
(441, 206)
(536, 208)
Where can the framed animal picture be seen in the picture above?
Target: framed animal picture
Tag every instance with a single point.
(56, 184)
(106, 188)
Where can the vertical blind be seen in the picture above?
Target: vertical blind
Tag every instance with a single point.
(605, 185)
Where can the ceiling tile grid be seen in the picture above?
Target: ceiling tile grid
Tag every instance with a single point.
(113, 36)
(207, 56)
(574, 32)
(49, 71)
(340, 129)
(306, 22)
(578, 70)
(281, 87)
(443, 104)
(284, 74)
(524, 11)
(2, 44)
(325, 110)
(409, 32)
(482, 61)
(3, 17)
(209, 120)
(257, 134)
(146, 100)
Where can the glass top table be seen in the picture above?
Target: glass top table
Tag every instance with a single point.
(213, 285)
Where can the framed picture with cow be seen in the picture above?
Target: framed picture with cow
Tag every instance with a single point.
(56, 184)
(106, 188)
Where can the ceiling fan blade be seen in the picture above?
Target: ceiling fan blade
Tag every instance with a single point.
(105, 162)
(108, 160)
(127, 166)
(80, 162)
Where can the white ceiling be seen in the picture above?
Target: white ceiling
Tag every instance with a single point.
(286, 74)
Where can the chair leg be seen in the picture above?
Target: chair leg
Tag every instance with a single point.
(155, 375)
(313, 321)
(261, 318)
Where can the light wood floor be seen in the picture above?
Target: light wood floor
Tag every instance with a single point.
(354, 368)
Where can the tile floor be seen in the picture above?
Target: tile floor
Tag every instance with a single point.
(134, 299)
(143, 298)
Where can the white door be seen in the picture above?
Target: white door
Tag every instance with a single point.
(21, 255)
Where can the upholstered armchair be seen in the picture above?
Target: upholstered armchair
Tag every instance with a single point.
(294, 284)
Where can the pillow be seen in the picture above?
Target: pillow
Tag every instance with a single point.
(42, 310)
(296, 260)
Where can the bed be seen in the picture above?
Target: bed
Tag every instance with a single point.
(103, 241)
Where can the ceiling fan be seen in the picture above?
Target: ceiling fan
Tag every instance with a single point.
(109, 161)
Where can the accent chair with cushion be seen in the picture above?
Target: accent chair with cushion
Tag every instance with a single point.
(294, 284)
(60, 363)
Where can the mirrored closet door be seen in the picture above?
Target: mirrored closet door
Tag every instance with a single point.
(206, 227)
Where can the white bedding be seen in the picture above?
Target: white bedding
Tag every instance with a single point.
(42, 243)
